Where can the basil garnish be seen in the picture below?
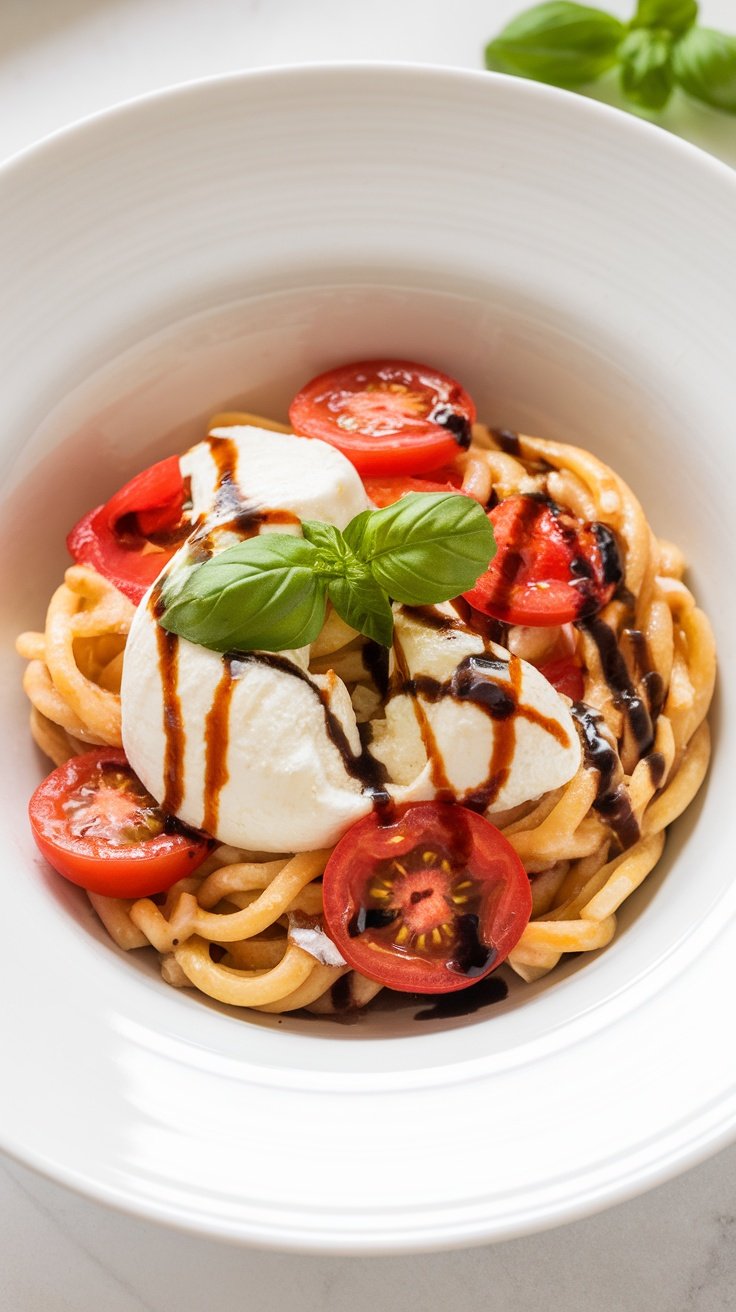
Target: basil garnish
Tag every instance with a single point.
(269, 593)
(571, 45)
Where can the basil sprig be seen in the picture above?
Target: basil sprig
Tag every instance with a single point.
(270, 592)
(572, 45)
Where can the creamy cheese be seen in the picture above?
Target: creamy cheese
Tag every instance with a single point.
(283, 783)
(267, 756)
(286, 787)
(276, 471)
(480, 722)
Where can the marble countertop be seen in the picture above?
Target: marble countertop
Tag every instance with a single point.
(672, 1250)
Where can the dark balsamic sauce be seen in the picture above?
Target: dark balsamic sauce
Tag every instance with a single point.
(612, 801)
(507, 440)
(370, 773)
(340, 993)
(173, 720)
(216, 735)
(650, 680)
(375, 660)
(625, 696)
(456, 424)
(463, 1002)
(655, 762)
(472, 956)
(610, 553)
(371, 918)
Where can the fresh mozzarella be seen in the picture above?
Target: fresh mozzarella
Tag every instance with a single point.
(436, 737)
(287, 787)
(285, 754)
(276, 471)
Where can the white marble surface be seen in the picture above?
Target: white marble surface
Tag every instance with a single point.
(671, 1251)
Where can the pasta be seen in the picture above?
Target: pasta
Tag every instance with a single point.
(235, 928)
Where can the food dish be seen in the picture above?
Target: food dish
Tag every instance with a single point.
(557, 688)
(533, 264)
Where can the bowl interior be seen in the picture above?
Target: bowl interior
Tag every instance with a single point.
(529, 366)
(190, 274)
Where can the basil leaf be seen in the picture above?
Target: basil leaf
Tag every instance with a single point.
(426, 547)
(329, 542)
(704, 65)
(646, 67)
(559, 42)
(676, 16)
(363, 604)
(262, 594)
(351, 587)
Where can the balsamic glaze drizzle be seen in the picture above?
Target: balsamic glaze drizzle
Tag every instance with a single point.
(626, 697)
(491, 684)
(370, 773)
(463, 1002)
(612, 799)
(173, 720)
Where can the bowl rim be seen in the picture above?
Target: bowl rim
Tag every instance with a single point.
(545, 92)
(708, 1139)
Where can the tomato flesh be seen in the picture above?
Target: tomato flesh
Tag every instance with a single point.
(384, 491)
(98, 827)
(549, 567)
(566, 676)
(386, 416)
(430, 902)
(131, 537)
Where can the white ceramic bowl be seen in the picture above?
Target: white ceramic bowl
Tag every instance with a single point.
(221, 243)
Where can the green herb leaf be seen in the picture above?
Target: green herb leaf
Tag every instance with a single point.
(363, 604)
(675, 16)
(269, 593)
(704, 64)
(646, 67)
(351, 587)
(559, 42)
(426, 547)
(331, 547)
(262, 594)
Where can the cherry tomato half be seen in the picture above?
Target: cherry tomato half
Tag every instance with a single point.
(131, 537)
(566, 676)
(428, 903)
(549, 567)
(383, 491)
(98, 827)
(386, 416)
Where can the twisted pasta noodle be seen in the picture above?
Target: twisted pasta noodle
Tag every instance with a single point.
(226, 930)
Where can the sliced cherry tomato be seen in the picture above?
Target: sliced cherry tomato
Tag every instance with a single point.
(566, 676)
(549, 568)
(386, 416)
(384, 491)
(98, 826)
(428, 903)
(155, 497)
(131, 537)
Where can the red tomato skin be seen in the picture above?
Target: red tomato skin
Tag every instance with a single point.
(137, 870)
(93, 542)
(156, 493)
(530, 580)
(420, 443)
(154, 501)
(385, 491)
(566, 676)
(369, 840)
